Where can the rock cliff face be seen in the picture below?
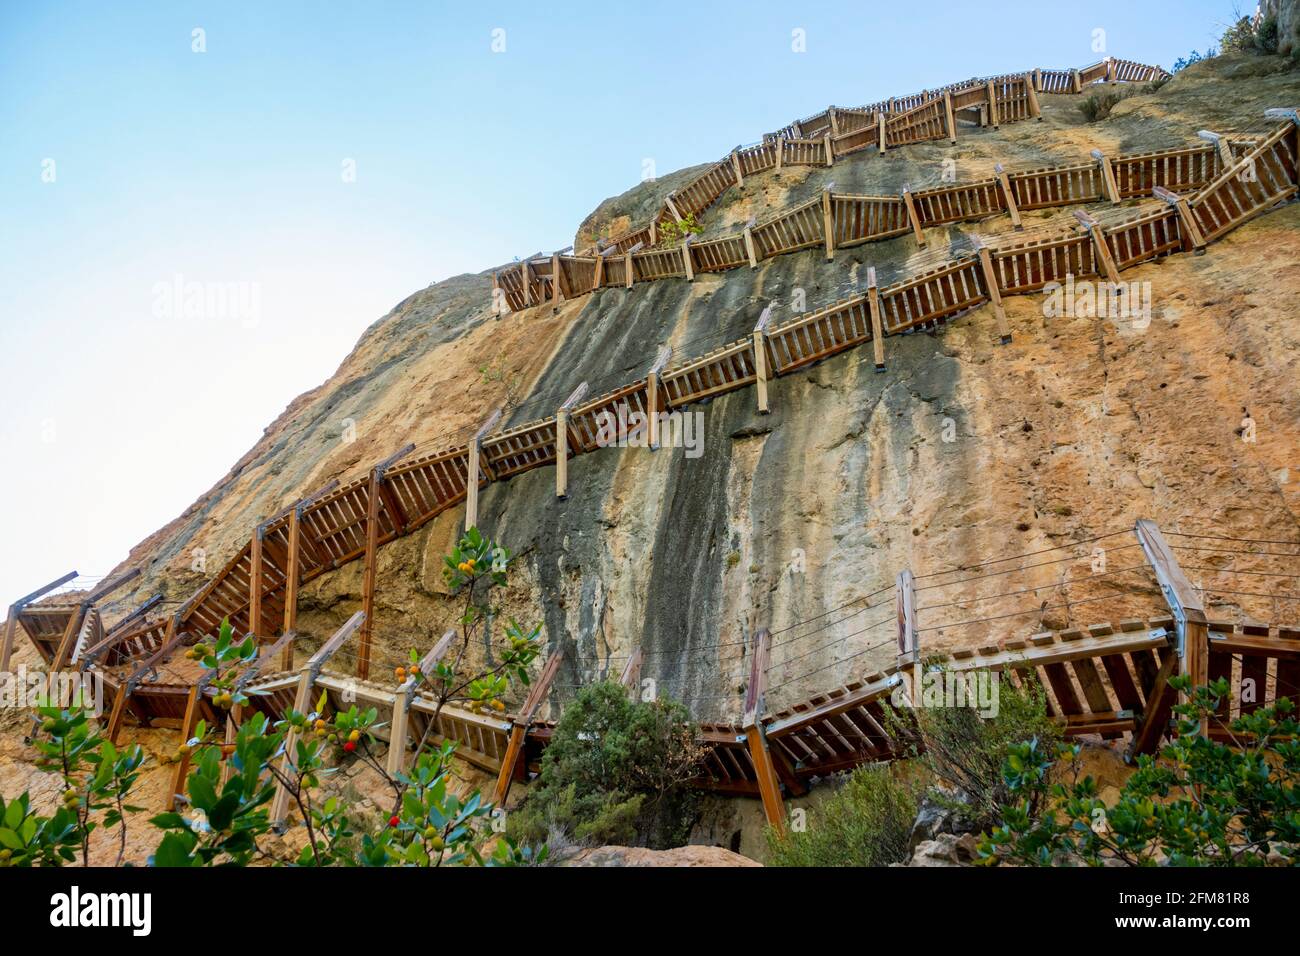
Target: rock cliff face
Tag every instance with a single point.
(1078, 427)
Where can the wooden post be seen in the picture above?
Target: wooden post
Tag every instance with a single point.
(1031, 93)
(1107, 176)
(652, 396)
(116, 715)
(949, 118)
(1101, 250)
(562, 453)
(628, 269)
(302, 704)
(11, 623)
(880, 131)
(519, 733)
(526, 280)
(672, 207)
(828, 222)
(1076, 82)
(188, 723)
(67, 640)
(877, 324)
(292, 581)
(1184, 602)
(749, 244)
(735, 168)
(909, 640)
(910, 205)
(562, 441)
(369, 576)
(769, 787)
(631, 676)
(555, 283)
(994, 118)
(1221, 147)
(1008, 196)
(1193, 239)
(780, 152)
(995, 294)
(686, 258)
(600, 268)
(830, 149)
(1038, 81)
(474, 470)
(760, 360)
(256, 566)
(397, 733)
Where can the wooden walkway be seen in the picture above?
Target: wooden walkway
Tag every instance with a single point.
(1203, 193)
(837, 132)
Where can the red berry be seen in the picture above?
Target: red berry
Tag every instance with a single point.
(394, 820)
(349, 746)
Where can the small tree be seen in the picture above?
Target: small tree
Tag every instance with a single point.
(614, 768)
(1201, 803)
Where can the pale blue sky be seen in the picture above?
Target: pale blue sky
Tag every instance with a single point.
(226, 167)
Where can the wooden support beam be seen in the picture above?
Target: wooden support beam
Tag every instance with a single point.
(525, 277)
(1031, 93)
(631, 676)
(11, 622)
(910, 205)
(1222, 148)
(828, 221)
(1008, 196)
(780, 152)
(1076, 82)
(828, 146)
(686, 258)
(111, 585)
(880, 132)
(68, 640)
(749, 244)
(555, 283)
(1107, 176)
(1155, 719)
(256, 565)
(496, 296)
(600, 270)
(994, 118)
(562, 440)
(653, 399)
(369, 577)
(995, 294)
(877, 325)
(735, 168)
(116, 715)
(909, 638)
(1037, 76)
(1101, 249)
(188, 723)
(515, 747)
(769, 787)
(759, 351)
(672, 207)
(1193, 239)
(1184, 603)
(628, 269)
(949, 119)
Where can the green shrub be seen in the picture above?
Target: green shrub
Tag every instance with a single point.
(866, 823)
(614, 772)
(1245, 37)
(965, 753)
(1097, 106)
(1201, 803)
(671, 233)
(1183, 62)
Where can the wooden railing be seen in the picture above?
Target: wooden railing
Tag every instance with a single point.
(841, 220)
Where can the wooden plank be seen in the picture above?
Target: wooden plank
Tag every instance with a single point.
(1107, 176)
(514, 749)
(1183, 601)
(255, 584)
(948, 117)
(1155, 719)
(1008, 196)
(768, 786)
(188, 723)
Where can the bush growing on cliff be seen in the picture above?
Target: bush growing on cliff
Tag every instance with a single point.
(1201, 803)
(613, 773)
(866, 823)
(964, 752)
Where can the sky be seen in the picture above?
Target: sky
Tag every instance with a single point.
(306, 166)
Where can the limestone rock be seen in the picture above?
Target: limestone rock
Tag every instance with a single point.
(640, 856)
